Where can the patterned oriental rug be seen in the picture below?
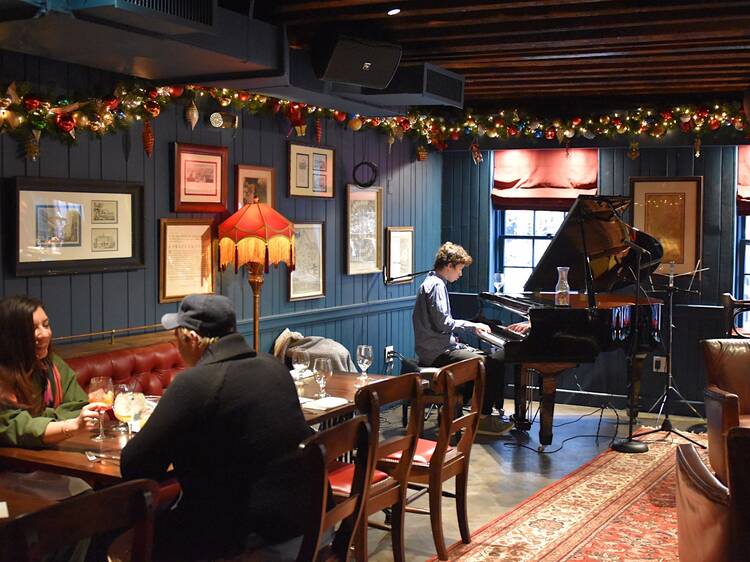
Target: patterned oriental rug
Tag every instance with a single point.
(616, 507)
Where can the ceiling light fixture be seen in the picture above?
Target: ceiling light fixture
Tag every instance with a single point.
(394, 11)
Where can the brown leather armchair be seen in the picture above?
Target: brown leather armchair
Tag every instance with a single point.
(727, 395)
(712, 519)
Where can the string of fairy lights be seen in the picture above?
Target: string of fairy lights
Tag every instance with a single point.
(29, 115)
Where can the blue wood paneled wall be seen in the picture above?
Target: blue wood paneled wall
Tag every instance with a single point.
(466, 220)
(356, 309)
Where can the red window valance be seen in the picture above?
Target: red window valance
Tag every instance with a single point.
(743, 180)
(546, 179)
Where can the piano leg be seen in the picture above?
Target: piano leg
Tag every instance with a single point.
(548, 373)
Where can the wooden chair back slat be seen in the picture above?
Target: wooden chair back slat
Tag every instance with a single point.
(129, 505)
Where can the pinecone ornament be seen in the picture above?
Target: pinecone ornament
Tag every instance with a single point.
(148, 138)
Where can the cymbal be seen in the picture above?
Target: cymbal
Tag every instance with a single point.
(683, 274)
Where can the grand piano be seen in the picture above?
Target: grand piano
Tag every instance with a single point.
(606, 258)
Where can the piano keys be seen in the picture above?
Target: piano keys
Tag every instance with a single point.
(599, 249)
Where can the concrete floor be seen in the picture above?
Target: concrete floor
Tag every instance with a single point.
(503, 473)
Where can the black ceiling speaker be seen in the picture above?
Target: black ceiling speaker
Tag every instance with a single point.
(360, 62)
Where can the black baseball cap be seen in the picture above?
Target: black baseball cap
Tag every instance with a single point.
(209, 315)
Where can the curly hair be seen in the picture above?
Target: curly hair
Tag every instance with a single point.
(451, 254)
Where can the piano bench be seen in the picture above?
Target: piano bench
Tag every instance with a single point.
(427, 374)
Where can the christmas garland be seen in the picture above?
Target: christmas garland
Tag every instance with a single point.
(28, 115)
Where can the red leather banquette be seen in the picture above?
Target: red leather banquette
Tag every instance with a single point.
(152, 367)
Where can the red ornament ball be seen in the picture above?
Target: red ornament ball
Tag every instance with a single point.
(617, 122)
(65, 122)
(666, 115)
(31, 102)
(550, 133)
(375, 122)
(175, 91)
(702, 112)
(686, 127)
(110, 102)
(576, 121)
(152, 107)
(152, 93)
(243, 96)
(512, 130)
(714, 124)
(455, 135)
(340, 116)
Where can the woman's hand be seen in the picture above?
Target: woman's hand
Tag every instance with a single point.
(89, 415)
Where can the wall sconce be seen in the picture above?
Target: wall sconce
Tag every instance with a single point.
(224, 120)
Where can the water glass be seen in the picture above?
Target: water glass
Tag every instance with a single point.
(364, 360)
(322, 371)
(498, 280)
(300, 362)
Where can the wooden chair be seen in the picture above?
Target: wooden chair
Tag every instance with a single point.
(385, 490)
(131, 505)
(320, 452)
(437, 461)
(733, 309)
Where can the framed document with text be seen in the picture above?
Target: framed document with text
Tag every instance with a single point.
(310, 171)
(186, 258)
(200, 178)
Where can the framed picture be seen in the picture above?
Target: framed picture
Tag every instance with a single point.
(310, 171)
(252, 181)
(200, 178)
(671, 210)
(400, 244)
(185, 258)
(307, 281)
(68, 226)
(364, 211)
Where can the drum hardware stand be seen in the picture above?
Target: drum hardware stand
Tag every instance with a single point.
(670, 289)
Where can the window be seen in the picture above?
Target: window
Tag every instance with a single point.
(743, 263)
(523, 237)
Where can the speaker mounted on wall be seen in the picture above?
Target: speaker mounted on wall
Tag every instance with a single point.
(355, 61)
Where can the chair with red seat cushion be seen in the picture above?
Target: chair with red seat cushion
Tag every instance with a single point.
(437, 461)
(386, 490)
(727, 395)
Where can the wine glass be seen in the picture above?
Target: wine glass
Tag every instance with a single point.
(129, 406)
(322, 370)
(300, 362)
(364, 360)
(101, 390)
(498, 281)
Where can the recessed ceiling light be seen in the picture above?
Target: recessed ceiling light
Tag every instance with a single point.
(394, 11)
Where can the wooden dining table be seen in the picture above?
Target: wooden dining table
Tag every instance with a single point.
(67, 457)
(19, 502)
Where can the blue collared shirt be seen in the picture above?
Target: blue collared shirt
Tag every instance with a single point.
(433, 323)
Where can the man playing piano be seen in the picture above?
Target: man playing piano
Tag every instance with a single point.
(436, 344)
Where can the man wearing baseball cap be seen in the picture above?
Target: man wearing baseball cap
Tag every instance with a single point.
(221, 424)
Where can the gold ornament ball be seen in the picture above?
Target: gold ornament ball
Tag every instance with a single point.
(224, 100)
(107, 118)
(355, 124)
(96, 126)
(604, 119)
(569, 133)
(5, 102)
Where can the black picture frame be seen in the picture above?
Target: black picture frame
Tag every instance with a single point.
(33, 256)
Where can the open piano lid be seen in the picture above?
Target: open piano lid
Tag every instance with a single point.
(606, 244)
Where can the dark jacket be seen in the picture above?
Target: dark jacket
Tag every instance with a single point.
(221, 425)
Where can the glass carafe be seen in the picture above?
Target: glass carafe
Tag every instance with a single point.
(562, 289)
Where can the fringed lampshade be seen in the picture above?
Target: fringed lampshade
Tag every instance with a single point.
(256, 236)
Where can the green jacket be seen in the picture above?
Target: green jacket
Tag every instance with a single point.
(18, 428)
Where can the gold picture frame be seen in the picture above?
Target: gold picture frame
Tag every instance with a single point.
(400, 254)
(311, 171)
(364, 236)
(186, 262)
(308, 280)
(254, 180)
(671, 210)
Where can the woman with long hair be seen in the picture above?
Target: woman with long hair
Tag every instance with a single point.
(41, 402)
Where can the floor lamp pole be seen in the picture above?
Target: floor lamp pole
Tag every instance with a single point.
(255, 279)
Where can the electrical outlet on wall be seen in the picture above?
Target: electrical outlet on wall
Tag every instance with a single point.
(660, 364)
(387, 350)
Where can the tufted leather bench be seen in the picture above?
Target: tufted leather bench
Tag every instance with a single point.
(152, 366)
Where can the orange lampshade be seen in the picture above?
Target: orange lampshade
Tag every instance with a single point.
(256, 234)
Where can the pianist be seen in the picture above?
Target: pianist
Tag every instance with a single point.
(436, 344)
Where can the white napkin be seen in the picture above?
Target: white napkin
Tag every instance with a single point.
(303, 400)
(327, 403)
(301, 374)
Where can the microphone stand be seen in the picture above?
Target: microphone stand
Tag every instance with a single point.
(390, 280)
(670, 289)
